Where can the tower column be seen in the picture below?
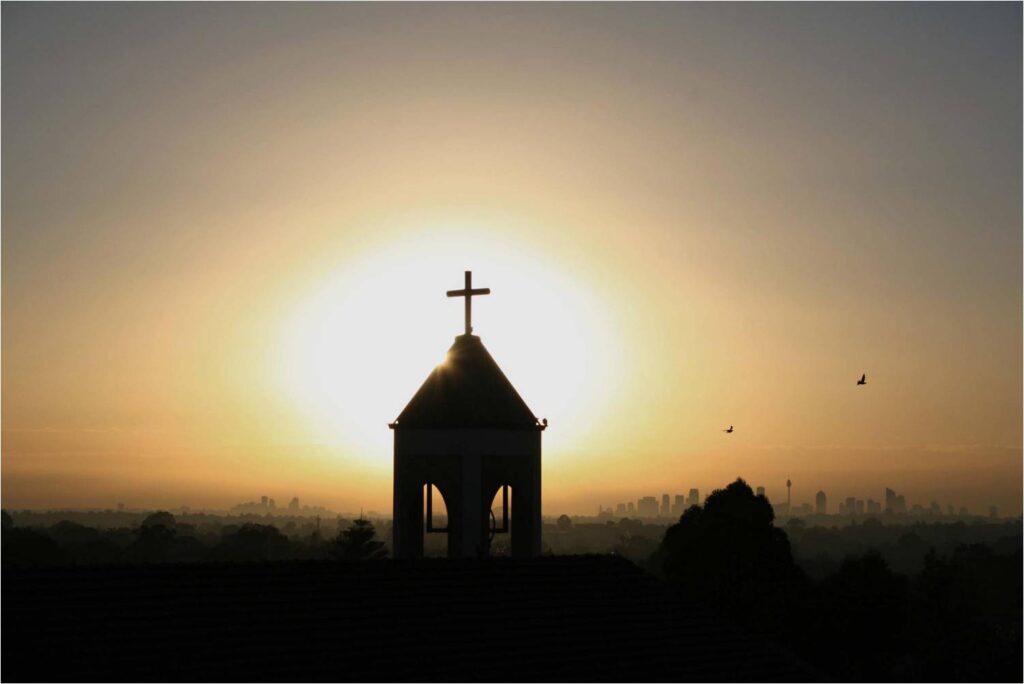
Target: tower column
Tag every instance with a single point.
(407, 523)
(472, 522)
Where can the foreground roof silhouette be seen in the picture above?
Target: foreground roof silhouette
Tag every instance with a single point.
(467, 390)
(560, 618)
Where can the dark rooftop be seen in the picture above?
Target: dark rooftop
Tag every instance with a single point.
(467, 390)
(563, 618)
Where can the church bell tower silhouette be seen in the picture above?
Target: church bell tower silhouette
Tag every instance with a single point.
(468, 433)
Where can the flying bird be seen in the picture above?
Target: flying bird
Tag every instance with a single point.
(863, 379)
(729, 430)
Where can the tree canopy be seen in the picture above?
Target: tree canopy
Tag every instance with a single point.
(357, 543)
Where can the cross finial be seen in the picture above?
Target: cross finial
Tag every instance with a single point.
(468, 293)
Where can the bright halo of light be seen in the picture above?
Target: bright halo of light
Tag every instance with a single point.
(361, 342)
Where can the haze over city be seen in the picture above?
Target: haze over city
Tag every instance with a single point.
(225, 258)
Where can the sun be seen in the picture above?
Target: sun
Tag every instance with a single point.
(363, 339)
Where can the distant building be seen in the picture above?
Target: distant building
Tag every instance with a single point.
(873, 507)
(820, 503)
(680, 505)
(760, 491)
(666, 505)
(851, 505)
(293, 505)
(647, 507)
(993, 512)
(693, 499)
(950, 510)
(620, 510)
(895, 503)
(263, 501)
(935, 508)
(630, 508)
(858, 506)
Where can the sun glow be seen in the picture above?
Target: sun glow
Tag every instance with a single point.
(365, 338)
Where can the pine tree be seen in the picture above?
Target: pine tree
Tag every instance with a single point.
(357, 543)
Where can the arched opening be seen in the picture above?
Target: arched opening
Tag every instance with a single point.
(435, 522)
(499, 522)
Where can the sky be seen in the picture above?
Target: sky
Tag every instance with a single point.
(227, 231)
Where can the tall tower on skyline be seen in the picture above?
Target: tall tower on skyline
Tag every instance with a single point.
(789, 494)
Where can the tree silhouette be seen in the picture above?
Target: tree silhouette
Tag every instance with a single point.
(253, 542)
(155, 540)
(357, 543)
(729, 554)
(23, 547)
(564, 522)
(865, 609)
(161, 519)
(966, 615)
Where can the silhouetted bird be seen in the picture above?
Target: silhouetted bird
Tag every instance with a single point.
(729, 430)
(863, 379)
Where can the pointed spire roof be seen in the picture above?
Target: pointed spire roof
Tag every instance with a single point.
(467, 390)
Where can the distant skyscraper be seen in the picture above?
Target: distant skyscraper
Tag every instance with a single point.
(935, 508)
(694, 498)
(680, 505)
(620, 510)
(760, 491)
(873, 507)
(263, 501)
(820, 503)
(851, 505)
(789, 493)
(630, 508)
(901, 504)
(647, 507)
(859, 506)
(890, 501)
(293, 505)
(666, 506)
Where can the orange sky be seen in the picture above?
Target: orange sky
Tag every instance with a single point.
(228, 229)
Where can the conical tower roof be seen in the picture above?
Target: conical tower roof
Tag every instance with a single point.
(467, 390)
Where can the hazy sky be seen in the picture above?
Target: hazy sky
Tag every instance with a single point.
(228, 229)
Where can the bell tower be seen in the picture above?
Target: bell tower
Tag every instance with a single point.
(468, 433)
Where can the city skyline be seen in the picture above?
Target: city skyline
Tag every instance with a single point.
(821, 503)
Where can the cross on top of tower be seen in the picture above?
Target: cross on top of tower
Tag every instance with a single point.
(468, 293)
